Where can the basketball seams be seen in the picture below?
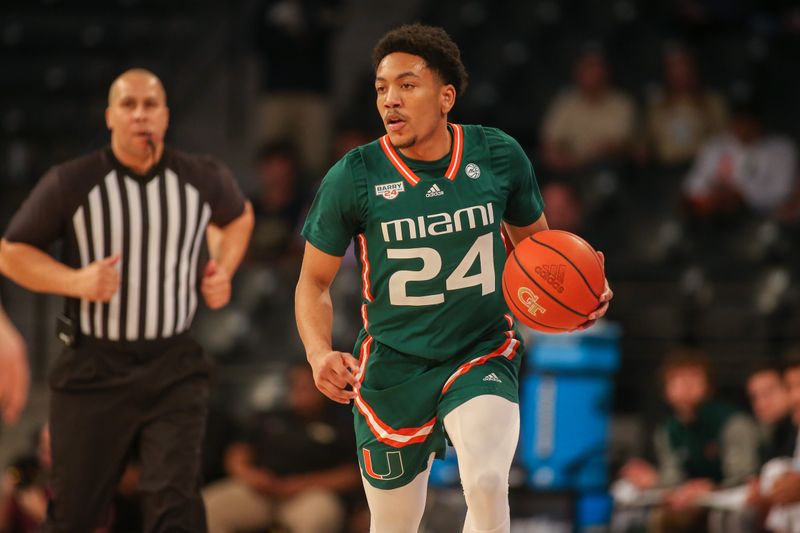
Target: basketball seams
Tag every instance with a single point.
(589, 246)
(522, 311)
(565, 306)
(578, 270)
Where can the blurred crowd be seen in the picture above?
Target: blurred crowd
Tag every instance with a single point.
(715, 467)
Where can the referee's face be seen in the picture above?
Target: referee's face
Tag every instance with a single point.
(137, 115)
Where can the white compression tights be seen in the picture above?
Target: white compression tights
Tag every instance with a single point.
(484, 431)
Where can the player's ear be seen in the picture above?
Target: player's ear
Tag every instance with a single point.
(108, 118)
(448, 98)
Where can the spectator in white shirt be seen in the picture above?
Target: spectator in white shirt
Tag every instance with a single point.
(744, 167)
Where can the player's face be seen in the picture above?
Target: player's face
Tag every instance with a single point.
(768, 396)
(411, 98)
(685, 388)
(137, 114)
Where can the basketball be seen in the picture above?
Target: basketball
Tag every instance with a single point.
(552, 281)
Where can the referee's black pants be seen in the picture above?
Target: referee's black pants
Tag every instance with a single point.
(108, 398)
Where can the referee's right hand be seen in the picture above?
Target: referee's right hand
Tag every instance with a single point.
(99, 281)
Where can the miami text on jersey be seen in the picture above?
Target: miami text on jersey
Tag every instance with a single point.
(438, 223)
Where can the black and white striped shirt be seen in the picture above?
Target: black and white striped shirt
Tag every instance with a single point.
(156, 223)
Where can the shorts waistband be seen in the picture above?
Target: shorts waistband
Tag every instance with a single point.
(140, 347)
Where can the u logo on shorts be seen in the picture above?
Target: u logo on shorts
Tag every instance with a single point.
(393, 459)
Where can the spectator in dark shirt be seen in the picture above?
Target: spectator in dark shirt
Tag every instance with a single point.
(278, 204)
(683, 113)
(293, 39)
(292, 469)
(704, 444)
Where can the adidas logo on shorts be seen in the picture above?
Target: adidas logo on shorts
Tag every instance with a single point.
(434, 191)
(492, 377)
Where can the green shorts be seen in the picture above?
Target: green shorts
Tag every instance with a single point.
(403, 399)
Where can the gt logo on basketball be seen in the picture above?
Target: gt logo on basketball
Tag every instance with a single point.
(389, 190)
(530, 301)
(552, 274)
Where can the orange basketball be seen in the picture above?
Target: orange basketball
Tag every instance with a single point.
(552, 281)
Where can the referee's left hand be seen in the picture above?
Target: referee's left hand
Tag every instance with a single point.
(216, 286)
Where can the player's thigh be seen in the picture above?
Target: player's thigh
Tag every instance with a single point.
(395, 415)
(398, 510)
(485, 433)
(497, 376)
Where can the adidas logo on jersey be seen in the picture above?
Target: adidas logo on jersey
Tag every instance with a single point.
(492, 377)
(434, 191)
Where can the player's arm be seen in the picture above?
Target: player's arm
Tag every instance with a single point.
(516, 233)
(333, 370)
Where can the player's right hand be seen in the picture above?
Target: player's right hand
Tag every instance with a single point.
(99, 281)
(333, 372)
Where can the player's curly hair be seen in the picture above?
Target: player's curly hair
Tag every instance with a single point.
(432, 44)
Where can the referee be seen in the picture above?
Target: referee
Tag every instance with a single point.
(133, 218)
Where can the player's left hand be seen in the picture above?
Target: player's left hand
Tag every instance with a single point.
(216, 285)
(605, 298)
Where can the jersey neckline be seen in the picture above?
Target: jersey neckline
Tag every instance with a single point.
(456, 153)
(154, 171)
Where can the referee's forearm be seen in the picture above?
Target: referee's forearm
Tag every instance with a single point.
(234, 239)
(35, 270)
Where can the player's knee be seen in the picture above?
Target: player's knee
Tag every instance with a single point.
(486, 484)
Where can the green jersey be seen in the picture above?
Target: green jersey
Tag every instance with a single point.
(428, 236)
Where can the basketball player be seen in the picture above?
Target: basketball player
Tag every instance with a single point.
(438, 352)
(133, 218)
